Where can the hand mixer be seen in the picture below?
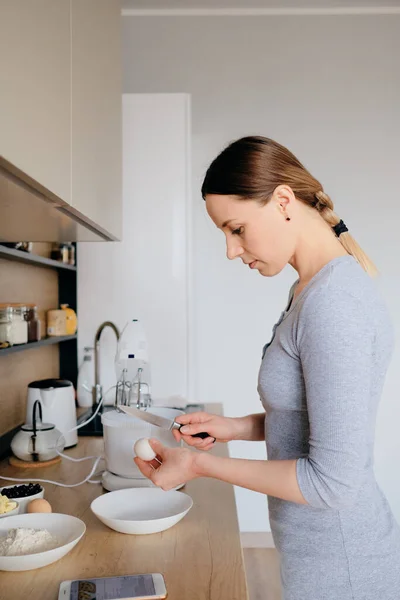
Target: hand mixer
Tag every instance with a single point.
(132, 355)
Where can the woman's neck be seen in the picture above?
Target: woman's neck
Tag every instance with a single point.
(313, 252)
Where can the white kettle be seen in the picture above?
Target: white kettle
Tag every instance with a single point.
(58, 404)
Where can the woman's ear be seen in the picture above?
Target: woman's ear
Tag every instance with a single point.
(283, 197)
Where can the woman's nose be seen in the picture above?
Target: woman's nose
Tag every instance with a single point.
(233, 250)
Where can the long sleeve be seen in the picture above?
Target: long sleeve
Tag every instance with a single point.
(335, 341)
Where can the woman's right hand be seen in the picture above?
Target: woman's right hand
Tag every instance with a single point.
(223, 429)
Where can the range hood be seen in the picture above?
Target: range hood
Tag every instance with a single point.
(30, 212)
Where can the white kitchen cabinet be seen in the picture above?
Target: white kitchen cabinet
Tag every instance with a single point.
(97, 112)
(148, 275)
(61, 105)
(35, 99)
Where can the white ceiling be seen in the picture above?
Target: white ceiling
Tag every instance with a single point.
(249, 4)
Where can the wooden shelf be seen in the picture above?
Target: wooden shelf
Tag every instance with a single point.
(33, 259)
(32, 345)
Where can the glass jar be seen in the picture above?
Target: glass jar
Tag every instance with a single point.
(65, 253)
(56, 322)
(19, 325)
(6, 324)
(72, 254)
(55, 252)
(33, 323)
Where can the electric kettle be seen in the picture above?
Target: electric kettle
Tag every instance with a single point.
(57, 399)
(37, 441)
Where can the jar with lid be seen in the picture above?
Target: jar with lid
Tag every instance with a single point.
(33, 323)
(56, 322)
(56, 252)
(64, 249)
(19, 327)
(71, 254)
(6, 324)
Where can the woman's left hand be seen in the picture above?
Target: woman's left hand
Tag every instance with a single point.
(178, 465)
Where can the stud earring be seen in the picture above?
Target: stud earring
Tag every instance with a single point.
(287, 218)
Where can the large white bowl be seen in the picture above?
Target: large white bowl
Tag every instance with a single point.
(67, 529)
(141, 510)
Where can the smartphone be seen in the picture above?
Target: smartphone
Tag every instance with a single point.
(150, 586)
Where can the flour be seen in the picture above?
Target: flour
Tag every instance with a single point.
(21, 541)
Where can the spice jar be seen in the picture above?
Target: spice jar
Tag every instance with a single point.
(33, 323)
(19, 326)
(64, 253)
(56, 322)
(6, 324)
(72, 255)
(56, 252)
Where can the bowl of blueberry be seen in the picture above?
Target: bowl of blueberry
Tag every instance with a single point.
(23, 494)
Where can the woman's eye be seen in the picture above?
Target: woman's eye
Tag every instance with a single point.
(237, 231)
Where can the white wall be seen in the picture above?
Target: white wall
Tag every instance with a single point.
(328, 88)
(146, 275)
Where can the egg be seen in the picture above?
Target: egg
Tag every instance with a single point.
(39, 505)
(143, 449)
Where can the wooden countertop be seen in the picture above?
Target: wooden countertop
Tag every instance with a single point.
(201, 557)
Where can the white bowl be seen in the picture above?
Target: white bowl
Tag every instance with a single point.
(141, 510)
(15, 511)
(23, 502)
(67, 529)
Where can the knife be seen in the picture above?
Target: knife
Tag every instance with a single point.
(156, 420)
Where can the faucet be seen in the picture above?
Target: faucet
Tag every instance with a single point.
(97, 388)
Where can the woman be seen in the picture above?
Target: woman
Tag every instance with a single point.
(320, 383)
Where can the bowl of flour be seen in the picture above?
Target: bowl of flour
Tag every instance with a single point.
(31, 541)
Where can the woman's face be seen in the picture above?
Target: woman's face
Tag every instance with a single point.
(258, 234)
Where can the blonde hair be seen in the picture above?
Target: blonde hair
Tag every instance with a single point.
(252, 167)
(324, 206)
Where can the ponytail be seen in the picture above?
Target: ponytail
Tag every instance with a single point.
(324, 206)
